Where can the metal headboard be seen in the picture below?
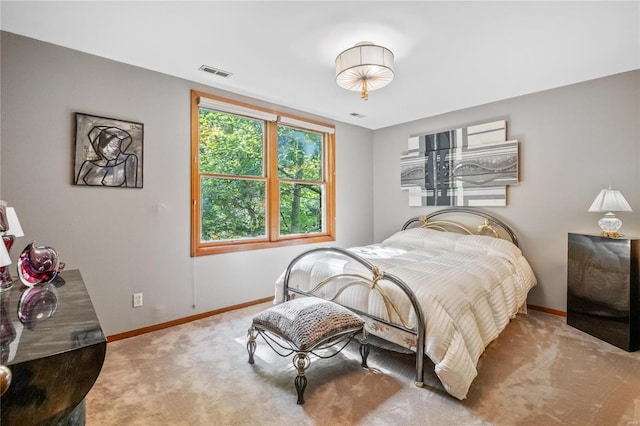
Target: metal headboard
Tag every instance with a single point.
(489, 221)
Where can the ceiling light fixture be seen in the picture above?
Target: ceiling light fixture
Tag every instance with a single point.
(364, 67)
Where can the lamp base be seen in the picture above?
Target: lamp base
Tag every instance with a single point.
(611, 234)
(610, 225)
(5, 275)
(5, 280)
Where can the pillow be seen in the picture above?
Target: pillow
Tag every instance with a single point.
(308, 321)
(422, 238)
(488, 245)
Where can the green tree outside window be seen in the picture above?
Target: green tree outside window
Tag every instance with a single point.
(233, 185)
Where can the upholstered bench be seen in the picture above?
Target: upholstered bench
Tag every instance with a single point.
(306, 325)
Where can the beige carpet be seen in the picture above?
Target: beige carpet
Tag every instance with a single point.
(538, 372)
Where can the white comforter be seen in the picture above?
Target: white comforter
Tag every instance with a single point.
(469, 287)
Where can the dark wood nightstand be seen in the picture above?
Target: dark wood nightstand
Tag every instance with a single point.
(603, 290)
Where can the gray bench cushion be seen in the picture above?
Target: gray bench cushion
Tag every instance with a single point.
(307, 321)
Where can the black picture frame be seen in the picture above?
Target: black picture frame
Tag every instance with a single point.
(108, 152)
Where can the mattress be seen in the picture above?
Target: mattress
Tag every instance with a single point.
(469, 287)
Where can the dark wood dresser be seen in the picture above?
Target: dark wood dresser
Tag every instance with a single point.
(51, 340)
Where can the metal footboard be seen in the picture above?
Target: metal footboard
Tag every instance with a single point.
(372, 283)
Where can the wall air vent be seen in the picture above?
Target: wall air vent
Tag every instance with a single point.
(355, 114)
(215, 71)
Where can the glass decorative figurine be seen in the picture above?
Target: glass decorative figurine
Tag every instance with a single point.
(37, 264)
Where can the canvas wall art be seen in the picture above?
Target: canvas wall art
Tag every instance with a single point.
(469, 166)
(108, 152)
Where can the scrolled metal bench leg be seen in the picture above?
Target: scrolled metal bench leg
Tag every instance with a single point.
(364, 349)
(301, 362)
(251, 343)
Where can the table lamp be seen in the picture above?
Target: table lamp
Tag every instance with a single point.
(5, 260)
(609, 201)
(10, 229)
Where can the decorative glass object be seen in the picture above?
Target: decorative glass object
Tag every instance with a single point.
(37, 264)
(37, 304)
(7, 330)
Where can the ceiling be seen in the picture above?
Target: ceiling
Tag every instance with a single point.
(448, 55)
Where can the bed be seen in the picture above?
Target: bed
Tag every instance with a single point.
(436, 287)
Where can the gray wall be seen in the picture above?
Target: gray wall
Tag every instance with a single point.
(126, 241)
(574, 141)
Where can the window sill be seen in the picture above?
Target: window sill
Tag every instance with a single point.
(206, 250)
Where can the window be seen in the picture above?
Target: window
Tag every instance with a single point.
(259, 178)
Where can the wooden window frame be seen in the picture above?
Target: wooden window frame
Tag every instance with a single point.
(273, 239)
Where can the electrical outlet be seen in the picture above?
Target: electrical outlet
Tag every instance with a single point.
(137, 300)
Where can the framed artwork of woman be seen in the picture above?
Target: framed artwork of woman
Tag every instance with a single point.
(108, 152)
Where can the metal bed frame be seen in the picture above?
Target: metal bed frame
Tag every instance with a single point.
(377, 275)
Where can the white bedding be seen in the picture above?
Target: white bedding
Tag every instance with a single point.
(469, 287)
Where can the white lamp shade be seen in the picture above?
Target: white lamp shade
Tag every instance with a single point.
(14, 224)
(610, 200)
(364, 61)
(5, 259)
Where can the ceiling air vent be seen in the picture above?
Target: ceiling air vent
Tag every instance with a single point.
(215, 71)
